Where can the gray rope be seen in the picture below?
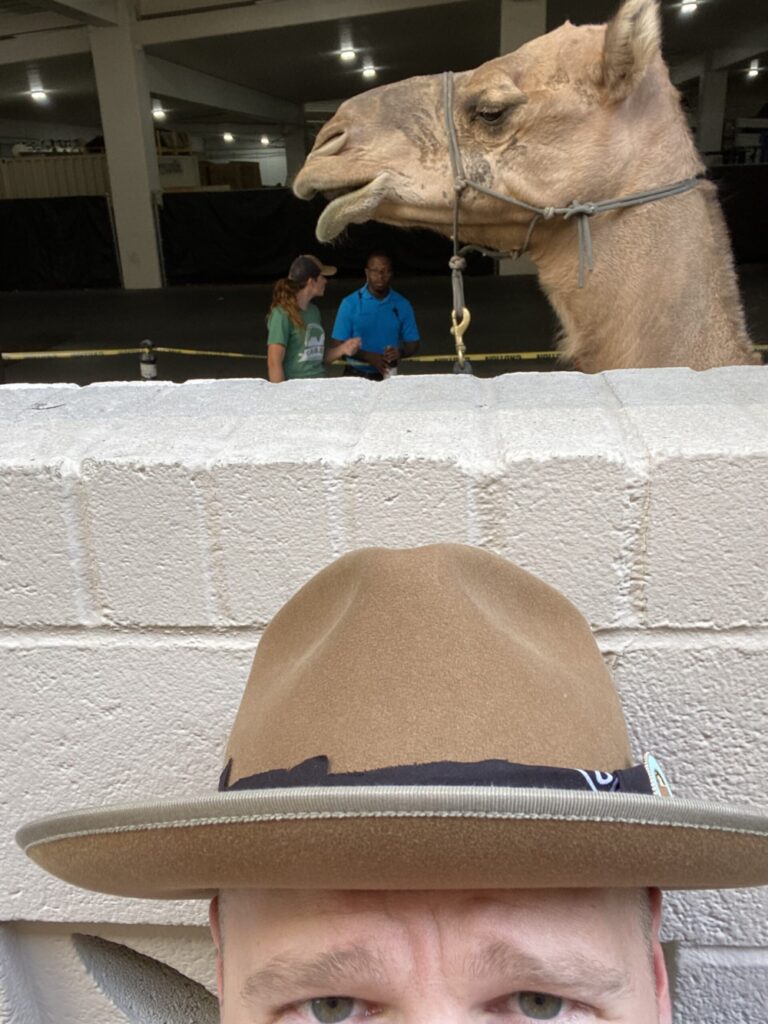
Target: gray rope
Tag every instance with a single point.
(582, 211)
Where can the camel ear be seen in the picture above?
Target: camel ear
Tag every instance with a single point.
(632, 40)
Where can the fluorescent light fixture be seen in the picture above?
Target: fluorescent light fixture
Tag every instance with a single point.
(264, 140)
(689, 6)
(754, 68)
(369, 71)
(348, 54)
(39, 95)
(228, 137)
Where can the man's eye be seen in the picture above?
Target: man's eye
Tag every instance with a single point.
(332, 1009)
(539, 1005)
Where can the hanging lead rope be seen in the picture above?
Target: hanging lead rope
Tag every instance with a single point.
(460, 316)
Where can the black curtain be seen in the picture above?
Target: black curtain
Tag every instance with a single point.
(65, 242)
(254, 235)
(743, 192)
(217, 237)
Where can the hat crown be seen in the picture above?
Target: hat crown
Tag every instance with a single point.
(441, 653)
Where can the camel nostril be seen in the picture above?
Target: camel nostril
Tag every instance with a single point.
(332, 144)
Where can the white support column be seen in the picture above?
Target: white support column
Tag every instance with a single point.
(121, 82)
(520, 20)
(295, 151)
(713, 89)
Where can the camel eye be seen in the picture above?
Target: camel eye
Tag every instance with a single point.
(491, 116)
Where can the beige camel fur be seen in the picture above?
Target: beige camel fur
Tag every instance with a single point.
(583, 113)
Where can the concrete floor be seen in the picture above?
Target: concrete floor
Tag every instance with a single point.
(509, 314)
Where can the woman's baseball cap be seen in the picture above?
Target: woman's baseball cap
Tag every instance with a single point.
(304, 268)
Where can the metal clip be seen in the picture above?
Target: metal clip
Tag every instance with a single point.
(458, 329)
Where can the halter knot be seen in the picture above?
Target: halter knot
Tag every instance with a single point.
(548, 212)
(583, 209)
(457, 263)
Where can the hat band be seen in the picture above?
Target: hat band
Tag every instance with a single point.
(314, 772)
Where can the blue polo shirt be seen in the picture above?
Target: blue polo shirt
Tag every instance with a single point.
(379, 322)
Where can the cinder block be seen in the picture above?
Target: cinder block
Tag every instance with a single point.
(707, 440)
(148, 536)
(702, 710)
(273, 529)
(570, 499)
(115, 720)
(44, 573)
(42, 978)
(721, 986)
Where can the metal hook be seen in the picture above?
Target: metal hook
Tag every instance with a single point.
(458, 329)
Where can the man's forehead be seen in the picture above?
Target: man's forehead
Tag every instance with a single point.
(290, 942)
(480, 903)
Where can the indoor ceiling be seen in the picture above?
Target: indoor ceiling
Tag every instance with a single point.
(301, 63)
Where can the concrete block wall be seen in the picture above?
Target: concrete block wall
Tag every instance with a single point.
(148, 532)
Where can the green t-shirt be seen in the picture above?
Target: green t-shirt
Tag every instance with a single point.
(304, 346)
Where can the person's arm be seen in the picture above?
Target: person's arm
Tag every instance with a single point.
(279, 329)
(336, 349)
(275, 360)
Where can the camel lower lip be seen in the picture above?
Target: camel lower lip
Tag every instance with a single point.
(349, 208)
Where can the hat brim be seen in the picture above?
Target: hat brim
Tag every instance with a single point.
(413, 837)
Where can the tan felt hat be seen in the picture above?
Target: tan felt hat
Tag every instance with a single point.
(418, 719)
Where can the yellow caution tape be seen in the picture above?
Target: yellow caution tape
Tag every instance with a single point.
(75, 353)
(82, 353)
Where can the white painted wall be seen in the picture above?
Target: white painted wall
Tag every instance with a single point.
(148, 532)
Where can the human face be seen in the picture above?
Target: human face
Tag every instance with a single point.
(509, 957)
(318, 285)
(378, 274)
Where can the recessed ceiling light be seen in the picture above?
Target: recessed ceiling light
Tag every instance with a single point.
(754, 68)
(39, 95)
(369, 72)
(689, 6)
(264, 140)
(347, 54)
(228, 137)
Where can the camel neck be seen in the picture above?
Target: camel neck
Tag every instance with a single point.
(663, 291)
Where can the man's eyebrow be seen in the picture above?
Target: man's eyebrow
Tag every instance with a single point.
(287, 976)
(573, 971)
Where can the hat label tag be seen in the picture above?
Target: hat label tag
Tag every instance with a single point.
(657, 777)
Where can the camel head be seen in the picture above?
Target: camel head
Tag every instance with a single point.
(585, 113)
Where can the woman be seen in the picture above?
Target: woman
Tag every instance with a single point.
(296, 339)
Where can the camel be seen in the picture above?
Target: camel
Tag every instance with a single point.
(584, 114)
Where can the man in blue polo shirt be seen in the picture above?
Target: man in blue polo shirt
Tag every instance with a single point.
(382, 317)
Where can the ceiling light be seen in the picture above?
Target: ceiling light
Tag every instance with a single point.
(369, 72)
(228, 137)
(264, 140)
(689, 6)
(754, 68)
(39, 95)
(347, 54)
